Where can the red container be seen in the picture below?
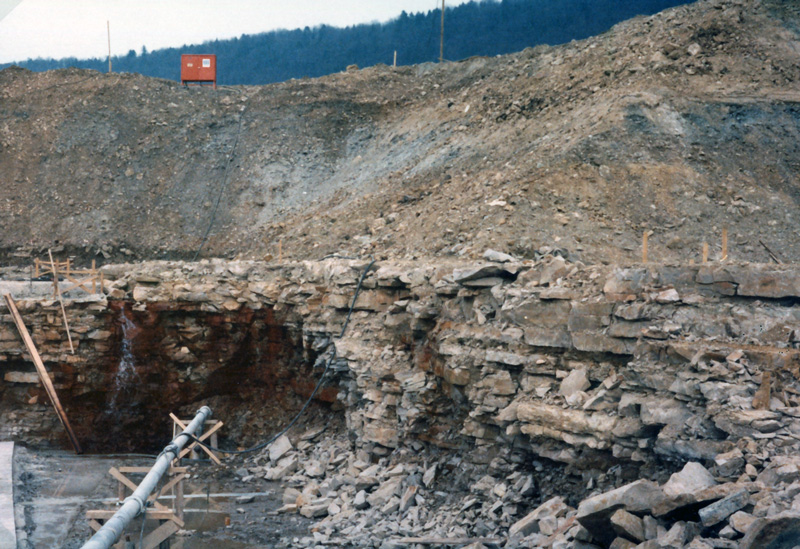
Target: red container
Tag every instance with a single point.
(198, 69)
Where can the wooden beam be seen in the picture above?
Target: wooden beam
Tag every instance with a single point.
(61, 302)
(173, 481)
(114, 472)
(202, 438)
(645, 236)
(40, 369)
(172, 470)
(159, 535)
(724, 244)
(181, 424)
(79, 284)
(154, 514)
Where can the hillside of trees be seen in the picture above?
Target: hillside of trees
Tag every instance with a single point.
(475, 28)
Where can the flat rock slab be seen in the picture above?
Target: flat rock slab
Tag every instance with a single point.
(594, 513)
(8, 532)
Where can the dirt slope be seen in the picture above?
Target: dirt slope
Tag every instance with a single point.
(682, 123)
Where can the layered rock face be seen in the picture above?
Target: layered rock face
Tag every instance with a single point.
(133, 365)
(589, 366)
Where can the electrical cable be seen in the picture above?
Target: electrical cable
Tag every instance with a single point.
(313, 393)
(222, 188)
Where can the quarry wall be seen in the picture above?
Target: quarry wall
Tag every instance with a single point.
(590, 366)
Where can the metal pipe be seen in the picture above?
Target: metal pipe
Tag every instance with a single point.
(135, 504)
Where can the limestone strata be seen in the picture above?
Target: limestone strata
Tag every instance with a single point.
(461, 353)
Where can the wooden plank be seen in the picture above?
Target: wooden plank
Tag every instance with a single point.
(182, 423)
(172, 470)
(159, 535)
(78, 284)
(645, 237)
(217, 425)
(724, 244)
(173, 481)
(114, 472)
(155, 514)
(43, 376)
(203, 437)
(61, 302)
(705, 252)
(178, 422)
(94, 525)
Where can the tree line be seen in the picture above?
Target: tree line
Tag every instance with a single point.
(487, 27)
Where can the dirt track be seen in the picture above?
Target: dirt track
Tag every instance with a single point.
(682, 123)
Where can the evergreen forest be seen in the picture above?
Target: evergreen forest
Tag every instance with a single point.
(484, 28)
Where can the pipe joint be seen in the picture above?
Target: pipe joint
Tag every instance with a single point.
(139, 502)
(171, 448)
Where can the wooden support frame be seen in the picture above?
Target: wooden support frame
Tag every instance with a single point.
(152, 540)
(60, 301)
(42, 371)
(179, 425)
(78, 278)
(724, 244)
(171, 520)
(177, 473)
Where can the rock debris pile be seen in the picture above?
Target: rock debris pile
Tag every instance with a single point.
(681, 123)
(414, 498)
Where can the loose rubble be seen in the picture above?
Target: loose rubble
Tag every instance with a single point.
(417, 494)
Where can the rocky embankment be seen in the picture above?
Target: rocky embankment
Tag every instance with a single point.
(682, 123)
(579, 378)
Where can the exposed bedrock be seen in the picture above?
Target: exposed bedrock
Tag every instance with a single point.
(588, 366)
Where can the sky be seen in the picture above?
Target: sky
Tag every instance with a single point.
(77, 28)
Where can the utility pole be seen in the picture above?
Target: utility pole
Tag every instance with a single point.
(108, 26)
(441, 37)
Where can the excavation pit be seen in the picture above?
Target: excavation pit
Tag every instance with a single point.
(134, 365)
